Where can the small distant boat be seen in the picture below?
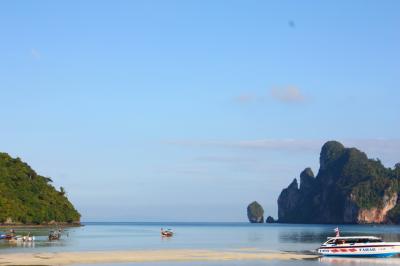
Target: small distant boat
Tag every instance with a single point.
(27, 238)
(167, 233)
(19, 238)
(359, 246)
(9, 235)
(55, 235)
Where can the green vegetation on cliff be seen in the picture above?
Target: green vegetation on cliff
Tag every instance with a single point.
(26, 197)
(349, 188)
(367, 179)
(255, 212)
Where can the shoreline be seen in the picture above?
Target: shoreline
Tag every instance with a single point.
(11, 226)
(173, 255)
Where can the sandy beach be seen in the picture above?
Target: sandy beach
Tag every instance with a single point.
(66, 258)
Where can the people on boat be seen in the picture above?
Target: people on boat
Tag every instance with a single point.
(55, 234)
(340, 242)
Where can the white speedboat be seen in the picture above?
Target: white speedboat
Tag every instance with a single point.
(359, 246)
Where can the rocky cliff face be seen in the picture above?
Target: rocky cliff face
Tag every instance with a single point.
(375, 214)
(255, 212)
(288, 203)
(349, 188)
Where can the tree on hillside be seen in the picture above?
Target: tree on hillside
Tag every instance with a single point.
(62, 191)
(397, 170)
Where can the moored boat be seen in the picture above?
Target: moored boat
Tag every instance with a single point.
(166, 233)
(55, 235)
(9, 235)
(359, 246)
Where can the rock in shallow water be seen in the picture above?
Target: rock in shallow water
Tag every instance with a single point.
(270, 220)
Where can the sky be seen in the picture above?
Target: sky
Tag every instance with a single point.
(190, 110)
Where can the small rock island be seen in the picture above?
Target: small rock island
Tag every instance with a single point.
(255, 212)
(349, 188)
(28, 198)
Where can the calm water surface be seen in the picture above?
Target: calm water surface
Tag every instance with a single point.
(217, 236)
(331, 262)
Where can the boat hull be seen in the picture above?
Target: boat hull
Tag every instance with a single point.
(360, 251)
(381, 255)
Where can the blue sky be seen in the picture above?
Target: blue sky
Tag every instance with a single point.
(190, 110)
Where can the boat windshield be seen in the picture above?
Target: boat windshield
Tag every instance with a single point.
(342, 241)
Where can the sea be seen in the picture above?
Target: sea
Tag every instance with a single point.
(107, 236)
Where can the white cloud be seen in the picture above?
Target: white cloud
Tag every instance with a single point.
(388, 150)
(290, 94)
(245, 98)
(270, 144)
(223, 159)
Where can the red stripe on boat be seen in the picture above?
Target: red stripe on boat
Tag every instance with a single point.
(374, 246)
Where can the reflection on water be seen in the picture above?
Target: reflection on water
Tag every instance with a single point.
(359, 261)
(302, 237)
(22, 244)
(254, 237)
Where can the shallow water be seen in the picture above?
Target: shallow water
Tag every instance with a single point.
(216, 236)
(322, 262)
